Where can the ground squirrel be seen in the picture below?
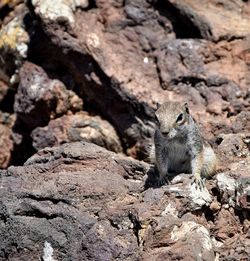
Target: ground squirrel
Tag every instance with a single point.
(179, 146)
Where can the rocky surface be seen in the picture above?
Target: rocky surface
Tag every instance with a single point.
(79, 70)
(79, 201)
(77, 127)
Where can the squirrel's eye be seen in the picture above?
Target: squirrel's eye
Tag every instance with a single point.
(179, 118)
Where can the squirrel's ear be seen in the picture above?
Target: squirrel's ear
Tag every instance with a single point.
(185, 106)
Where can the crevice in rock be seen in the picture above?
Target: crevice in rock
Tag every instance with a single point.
(241, 215)
(229, 38)
(4, 11)
(113, 224)
(217, 194)
(6, 105)
(209, 214)
(37, 214)
(118, 107)
(53, 200)
(136, 225)
(158, 71)
(183, 27)
(189, 80)
(23, 148)
(92, 5)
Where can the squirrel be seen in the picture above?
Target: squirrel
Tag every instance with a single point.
(179, 146)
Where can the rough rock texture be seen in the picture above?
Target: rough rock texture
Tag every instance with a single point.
(75, 197)
(82, 202)
(81, 126)
(211, 18)
(6, 146)
(76, 70)
(14, 40)
(131, 53)
(37, 95)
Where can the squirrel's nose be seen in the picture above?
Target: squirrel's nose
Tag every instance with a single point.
(165, 133)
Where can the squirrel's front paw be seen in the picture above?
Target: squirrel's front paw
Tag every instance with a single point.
(199, 183)
(163, 180)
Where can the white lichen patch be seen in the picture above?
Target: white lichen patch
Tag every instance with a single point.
(22, 48)
(170, 210)
(193, 230)
(225, 182)
(216, 243)
(198, 196)
(56, 9)
(48, 252)
(93, 40)
(177, 179)
(176, 189)
(180, 232)
(13, 38)
(145, 60)
(81, 3)
(206, 240)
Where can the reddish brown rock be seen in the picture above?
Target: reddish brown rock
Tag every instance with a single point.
(14, 39)
(81, 126)
(234, 146)
(78, 205)
(3, 90)
(40, 98)
(131, 53)
(79, 201)
(85, 202)
(6, 146)
(211, 18)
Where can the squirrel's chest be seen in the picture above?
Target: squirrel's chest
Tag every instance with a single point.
(177, 149)
(178, 157)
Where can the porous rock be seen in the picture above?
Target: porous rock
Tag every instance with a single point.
(81, 126)
(74, 197)
(37, 94)
(80, 201)
(130, 53)
(6, 146)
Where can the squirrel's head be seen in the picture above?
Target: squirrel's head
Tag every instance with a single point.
(172, 118)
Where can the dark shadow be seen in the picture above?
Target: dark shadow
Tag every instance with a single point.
(183, 27)
(74, 67)
(152, 180)
(4, 11)
(23, 148)
(6, 105)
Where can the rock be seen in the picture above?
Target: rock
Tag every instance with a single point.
(14, 42)
(81, 126)
(130, 54)
(116, 60)
(211, 18)
(3, 91)
(243, 193)
(6, 146)
(234, 145)
(7, 143)
(241, 122)
(227, 188)
(39, 95)
(79, 200)
(47, 10)
(226, 226)
(83, 217)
